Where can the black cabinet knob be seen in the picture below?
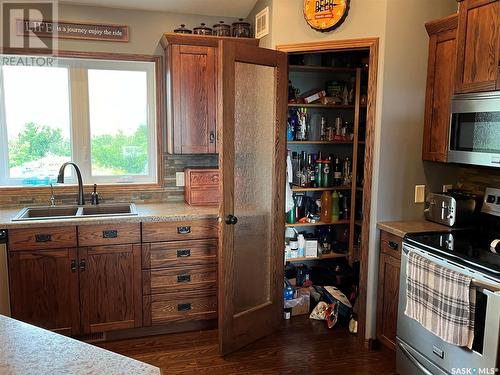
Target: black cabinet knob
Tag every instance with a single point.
(231, 220)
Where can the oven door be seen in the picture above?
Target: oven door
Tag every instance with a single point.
(419, 351)
(475, 129)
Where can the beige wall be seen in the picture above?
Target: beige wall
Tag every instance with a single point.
(146, 27)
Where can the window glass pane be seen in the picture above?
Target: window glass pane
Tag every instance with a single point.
(37, 120)
(118, 109)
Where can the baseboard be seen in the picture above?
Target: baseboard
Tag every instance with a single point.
(174, 327)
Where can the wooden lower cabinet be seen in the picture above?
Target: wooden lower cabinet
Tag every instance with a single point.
(179, 281)
(388, 289)
(110, 287)
(44, 289)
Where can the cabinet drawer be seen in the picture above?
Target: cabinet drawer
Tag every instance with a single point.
(42, 238)
(169, 254)
(391, 244)
(181, 307)
(178, 278)
(109, 234)
(179, 230)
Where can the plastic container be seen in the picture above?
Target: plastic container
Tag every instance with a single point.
(326, 207)
(302, 246)
(335, 206)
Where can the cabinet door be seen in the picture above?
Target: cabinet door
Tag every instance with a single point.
(193, 91)
(388, 296)
(440, 87)
(44, 289)
(478, 39)
(252, 158)
(110, 287)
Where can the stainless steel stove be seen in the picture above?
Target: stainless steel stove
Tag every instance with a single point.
(476, 253)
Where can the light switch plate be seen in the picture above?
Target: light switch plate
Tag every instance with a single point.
(419, 193)
(179, 179)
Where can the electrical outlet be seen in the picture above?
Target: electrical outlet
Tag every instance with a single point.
(179, 178)
(447, 188)
(419, 193)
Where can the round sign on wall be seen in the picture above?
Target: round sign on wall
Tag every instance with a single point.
(325, 15)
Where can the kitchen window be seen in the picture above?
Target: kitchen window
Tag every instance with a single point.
(100, 114)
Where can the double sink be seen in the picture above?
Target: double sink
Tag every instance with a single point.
(74, 212)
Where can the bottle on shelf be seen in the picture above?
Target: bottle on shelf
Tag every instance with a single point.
(309, 172)
(346, 171)
(326, 207)
(323, 129)
(335, 206)
(326, 178)
(337, 173)
(302, 245)
(318, 170)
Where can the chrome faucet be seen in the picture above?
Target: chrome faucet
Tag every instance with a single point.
(60, 180)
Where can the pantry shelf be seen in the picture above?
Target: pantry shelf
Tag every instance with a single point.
(313, 105)
(315, 68)
(339, 188)
(318, 223)
(320, 142)
(323, 256)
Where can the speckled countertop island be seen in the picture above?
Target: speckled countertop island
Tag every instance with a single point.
(146, 212)
(401, 228)
(29, 350)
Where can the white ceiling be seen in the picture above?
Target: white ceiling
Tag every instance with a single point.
(225, 8)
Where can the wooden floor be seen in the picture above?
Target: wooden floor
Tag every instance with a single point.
(303, 347)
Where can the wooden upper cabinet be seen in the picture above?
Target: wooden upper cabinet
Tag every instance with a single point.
(478, 37)
(191, 71)
(440, 87)
(44, 289)
(110, 287)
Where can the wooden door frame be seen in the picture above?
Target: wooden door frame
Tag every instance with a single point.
(370, 44)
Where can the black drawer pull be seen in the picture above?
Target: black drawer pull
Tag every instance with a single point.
(184, 278)
(393, 245)
(184, 230)
(183, 307)
(43, 237)
(110, 233)
(183, 253)
(73, 265)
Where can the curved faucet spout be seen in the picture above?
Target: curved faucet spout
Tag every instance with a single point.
(60, 180)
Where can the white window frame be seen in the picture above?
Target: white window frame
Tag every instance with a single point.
(80, 122)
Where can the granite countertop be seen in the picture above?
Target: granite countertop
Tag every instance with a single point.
(401, 228)
(146, 213)
(27, 350)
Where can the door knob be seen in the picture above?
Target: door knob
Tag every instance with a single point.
(231, 220)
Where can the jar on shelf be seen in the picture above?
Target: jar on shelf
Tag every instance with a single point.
(221, 29)
(183, 30)
(202, 30)
(241, 29)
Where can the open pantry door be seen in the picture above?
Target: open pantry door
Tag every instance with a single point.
(252, 117)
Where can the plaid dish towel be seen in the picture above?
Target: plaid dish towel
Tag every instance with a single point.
(441, 300)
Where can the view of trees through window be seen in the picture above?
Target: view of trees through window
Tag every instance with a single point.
(118, 154)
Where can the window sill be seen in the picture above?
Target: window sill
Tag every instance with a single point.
(69, 188)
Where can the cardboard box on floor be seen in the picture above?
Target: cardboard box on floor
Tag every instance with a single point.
(303, 299)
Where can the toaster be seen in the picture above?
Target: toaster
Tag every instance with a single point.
(453, 208)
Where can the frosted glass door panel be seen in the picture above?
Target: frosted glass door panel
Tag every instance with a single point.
(255, 115)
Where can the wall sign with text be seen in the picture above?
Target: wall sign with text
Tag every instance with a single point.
(325, 15)
(73, 30)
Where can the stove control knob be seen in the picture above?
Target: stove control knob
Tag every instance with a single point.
(450, 216)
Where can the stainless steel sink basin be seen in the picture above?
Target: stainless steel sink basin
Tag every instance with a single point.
(108, 210)
(74, 212)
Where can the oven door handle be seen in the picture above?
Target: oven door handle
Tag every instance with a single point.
(410, 356)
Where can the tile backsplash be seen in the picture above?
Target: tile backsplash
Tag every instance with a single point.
(169, 193)
(476, 179)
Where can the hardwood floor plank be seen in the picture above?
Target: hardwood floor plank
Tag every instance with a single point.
(301, 346)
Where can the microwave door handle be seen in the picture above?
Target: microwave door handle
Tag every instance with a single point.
(413, 359)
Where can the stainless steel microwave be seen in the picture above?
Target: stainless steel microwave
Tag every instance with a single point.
(475, 129)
